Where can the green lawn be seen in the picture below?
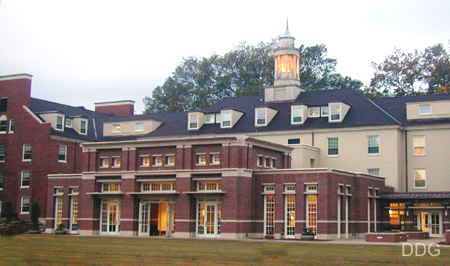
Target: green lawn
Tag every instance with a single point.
(49, 249)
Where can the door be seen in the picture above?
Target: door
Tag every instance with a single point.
(208, 221)
(144, 219)
(435, 224)
(110, 224)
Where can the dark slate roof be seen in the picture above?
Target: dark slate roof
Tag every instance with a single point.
(41, 106)
(396, 106)
(415, 195)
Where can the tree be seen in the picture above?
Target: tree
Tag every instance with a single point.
(402, 74)
(198, 82)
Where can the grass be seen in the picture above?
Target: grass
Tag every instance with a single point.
(49, 249)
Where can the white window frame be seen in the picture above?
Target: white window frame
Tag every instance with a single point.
(106, 187)
(210, 119)
(104, 162)
(198, 159)
(60, 123)
(60, 154)
(83, 127)
(193, 121)
(3, 125)
(68, 123)
(273, 163)
(329, 147)
(373, 171)
(2, 153)
(335, 113)
(218, 118)
(27, 151)
(260, 117)
(425, 109)
(424, 175)
(294, 110)
(260, 161)
(309, 212)
(22, 176)
(12, 124)
(116, 162)
(314, 112)
(157, 160)
(324, 111)
(208, 185)
(1, 182)
(215, 158)
(229, 119)
(139, 127)
(168, 158)
(115, 128)
(416, 142)
(24, 204)
(373, 142)
(145, 161)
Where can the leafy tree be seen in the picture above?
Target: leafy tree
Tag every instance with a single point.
(198, 82)
(402, 74)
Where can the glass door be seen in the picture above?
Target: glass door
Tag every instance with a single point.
(435, 224)
(210, 219)
(144, 219)
(110, 224)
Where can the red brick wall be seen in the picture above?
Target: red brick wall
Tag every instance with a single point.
(118, 110)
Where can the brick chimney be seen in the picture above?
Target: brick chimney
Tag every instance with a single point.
(118, 108)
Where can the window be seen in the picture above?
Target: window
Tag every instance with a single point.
(116, 162)
(158, 186)
(218, 118)
(273, 163)
(139, 127)
(1, 181)
(333, 146)
(25, 205)
(260, 161)
(111, 187)
(293, 141)
(62, 153)
(425, 109)
(269, 215)
(26, 152)
(290, 215)
(314, 112)
(59, 191)
(170, 160)
(269, 188)
(373, 144)
(2, 153)
(60, 123)
(419, 145)
(261, 117)
(201, 159)
(25, 183)
(145, 161)
(297, 115)
(83, 127)
(335, 113)
(325, 111)
(215, 158)
(209, 119)
(157, 160)
(3, 104)
(12, 124)
(311, 213)
(69, 123)
(267, 162)
(193, 121)
(419, 178)
(3, 126)
(0, 206)
(311, 188)
(373, 171)
(74, 213)
(209, 186)
(104, 162)
(226, 119)
(116, 128)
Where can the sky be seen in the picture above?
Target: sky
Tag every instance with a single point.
(87, 51)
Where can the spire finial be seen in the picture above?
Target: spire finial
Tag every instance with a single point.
(287, 34)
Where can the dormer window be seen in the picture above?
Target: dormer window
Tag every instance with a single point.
(209, 119)
(139, 127)
(83, 127)
(425, 109)
(218, 118)
(314, 112)
(69, 123)
(226, 119)
(60, 122)
(193, 121)
(325, 111)
(335, 112)
(116, 128)
(297, 115)
(260, 117)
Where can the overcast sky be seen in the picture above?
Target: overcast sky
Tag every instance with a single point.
(86, 51)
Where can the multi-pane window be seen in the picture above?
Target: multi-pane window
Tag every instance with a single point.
(420, 178)
(104, 162)
(60, 122)
(373, 144)
(209, 186)
(419, 145)
(3, 126)
(83, 127)
(201, 159)
(117, 162)
(25, 179)
(158, 186)
(226, 119)
(58, 211)
(26, 152)
(1, 181)
(157, 160)
(139, 127)
(297, 115)
(170, 160)
(25, 205)
(116, 128)
(269, 212)
(215, 158)
(290, 215)
(293, 141)
(74, 213)
(314, 112)
(260, 117)
(311, 213)
(12, 124)
(193, 121)
(425, 109)
(373, 171)
(69, 122)
(335, 112)
(333, 146)
(2, 153)
(145, 161)
(209, 119)
(62, 153)
(218, 118)
(110, 187)
(325, 111)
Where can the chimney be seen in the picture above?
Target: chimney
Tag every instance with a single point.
(117, 108)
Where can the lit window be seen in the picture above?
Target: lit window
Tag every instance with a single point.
(60, 123)
(25, 204)
(12, 124)
(26, 152)
(260, 117)
(215, 158)
(419, 178)
(311, 213)
(373, 171)
(209, 186)
(116, 128)
(419, 145)
(226, 119)
(83, 127)
(425, 109)
(201, 159)
(333, 146)
(170, 160)
(209, 119)
(325, 111)
(193, 121)
(335, 113)
(157, 160)
(111, 187)
(373, 143)
(314, 112)
(25, 183)
(139, 127)
(116, 162)
(297, 113)
(145, 161)
(157, 186)
(104, 162)
(2, 153)
(62, 157)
